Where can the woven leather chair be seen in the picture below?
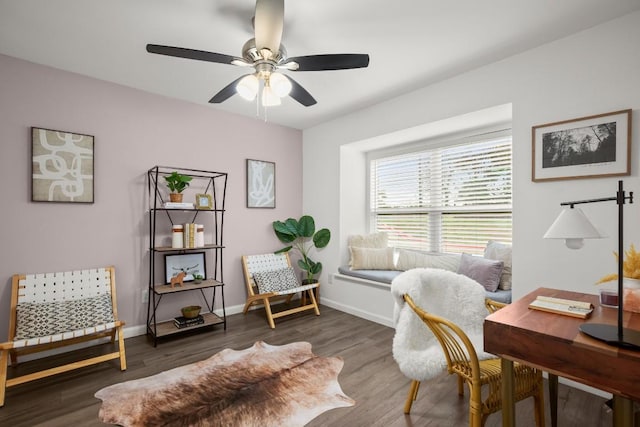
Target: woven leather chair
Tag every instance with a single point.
(462, 360)
(254, 265)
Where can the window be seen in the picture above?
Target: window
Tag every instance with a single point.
(452, 198)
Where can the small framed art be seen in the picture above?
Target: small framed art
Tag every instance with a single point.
(203, 201)
(191, 263)
(587, 147)
(261, 184)
(61, 166)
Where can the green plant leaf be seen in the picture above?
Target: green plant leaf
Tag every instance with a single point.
(303, 265)
(283, 232)
(283, 250)
(306, 226)
(321, 238)
(292, 226)
(316, 268)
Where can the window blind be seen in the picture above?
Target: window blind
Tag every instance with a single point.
(447, 199)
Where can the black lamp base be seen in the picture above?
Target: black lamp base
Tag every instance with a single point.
(609, 333)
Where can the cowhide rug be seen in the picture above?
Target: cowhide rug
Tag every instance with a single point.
(264, 385)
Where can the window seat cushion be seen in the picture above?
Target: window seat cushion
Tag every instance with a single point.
(387, 276)
(383, 276)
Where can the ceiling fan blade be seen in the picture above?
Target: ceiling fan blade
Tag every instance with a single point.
(300, 94)
(269, 23)
(227, 92)
(340, 61)
(200, 55)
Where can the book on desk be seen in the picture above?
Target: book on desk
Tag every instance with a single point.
(562, 306)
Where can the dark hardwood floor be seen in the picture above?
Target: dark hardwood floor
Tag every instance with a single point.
(370, 376)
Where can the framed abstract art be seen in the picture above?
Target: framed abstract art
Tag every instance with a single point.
(261, 184)
(62, 166)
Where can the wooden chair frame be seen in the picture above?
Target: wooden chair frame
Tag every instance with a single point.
(14, 348)
(462, 360)
(254, 297)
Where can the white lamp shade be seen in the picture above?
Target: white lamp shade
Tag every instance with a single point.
(573, 226)
(269, 98)
(280, 84)
(247, 87)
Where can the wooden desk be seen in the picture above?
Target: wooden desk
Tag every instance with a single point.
(552, 342)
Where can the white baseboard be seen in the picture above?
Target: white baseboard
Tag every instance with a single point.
(357, 312)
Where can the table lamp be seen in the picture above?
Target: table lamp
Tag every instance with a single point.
(573, 226)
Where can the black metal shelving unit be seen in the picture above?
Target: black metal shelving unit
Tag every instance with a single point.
(203, 182)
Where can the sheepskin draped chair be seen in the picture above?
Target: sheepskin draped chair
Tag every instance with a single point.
(439, 321)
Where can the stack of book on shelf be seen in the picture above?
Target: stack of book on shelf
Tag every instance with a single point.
(562, 306)
(184, 322)
(193, 235)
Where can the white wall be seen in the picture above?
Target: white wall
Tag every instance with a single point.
(592, 72)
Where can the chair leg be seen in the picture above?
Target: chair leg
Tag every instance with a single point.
(267, 309)
(123, 358)
(246, 307)
(476, 418)
(413, 394)
(3, 374)
(315, 303)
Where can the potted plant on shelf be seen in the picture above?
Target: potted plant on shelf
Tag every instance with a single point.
(301, 235)
(177, 184)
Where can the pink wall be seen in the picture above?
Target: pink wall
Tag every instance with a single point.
(133, 132)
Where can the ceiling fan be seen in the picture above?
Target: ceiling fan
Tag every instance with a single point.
(266, 55)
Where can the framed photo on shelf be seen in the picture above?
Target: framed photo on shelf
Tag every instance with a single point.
(203, 201)
(587, 147)
(261, 184)
(61, 166)
(191, 263)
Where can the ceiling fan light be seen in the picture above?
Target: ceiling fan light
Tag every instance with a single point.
(247, 87)
(280, 84)
(269, 98)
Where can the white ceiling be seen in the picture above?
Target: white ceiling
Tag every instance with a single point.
(412, 43)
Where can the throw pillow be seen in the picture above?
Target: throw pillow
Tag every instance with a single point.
(375, 240)
(408, 259)
(501, 252)
(484, 271)
(276, 280)
(371, 258)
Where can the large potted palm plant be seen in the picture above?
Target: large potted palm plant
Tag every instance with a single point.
(301, 236)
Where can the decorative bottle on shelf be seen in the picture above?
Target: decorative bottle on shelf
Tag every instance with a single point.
(177, 236)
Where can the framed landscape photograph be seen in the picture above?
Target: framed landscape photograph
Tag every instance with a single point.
(588, 147)
(261, 184)
(191, 263)
(61, 166)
